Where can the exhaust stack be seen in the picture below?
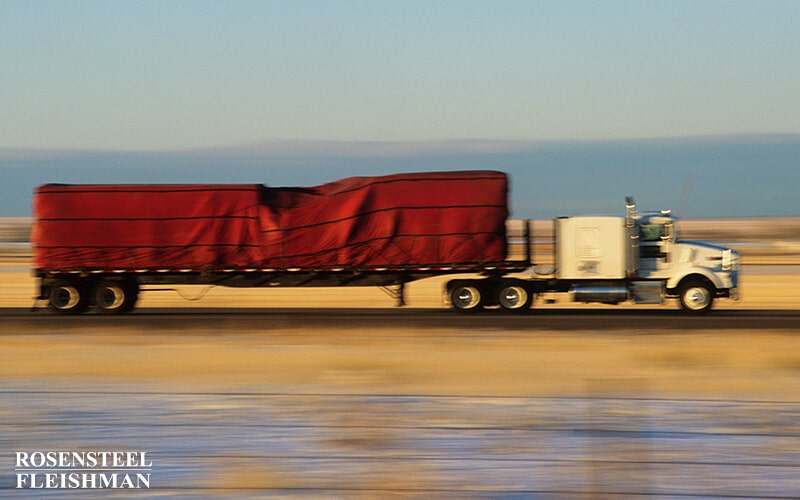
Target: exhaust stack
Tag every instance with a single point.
(632, 257)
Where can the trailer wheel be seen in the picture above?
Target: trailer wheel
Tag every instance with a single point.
(466, 297)
(696, 296)
(68, 297)
(514, 296)
(115, 297)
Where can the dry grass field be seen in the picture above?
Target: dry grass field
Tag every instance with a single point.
(751, 365)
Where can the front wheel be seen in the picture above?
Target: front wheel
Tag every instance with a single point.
(697, 296)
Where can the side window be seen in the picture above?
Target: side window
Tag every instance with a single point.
(652, 232)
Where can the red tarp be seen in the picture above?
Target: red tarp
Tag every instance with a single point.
(396, 220)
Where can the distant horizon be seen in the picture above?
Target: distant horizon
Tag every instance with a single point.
(739, 175)
(299, 146)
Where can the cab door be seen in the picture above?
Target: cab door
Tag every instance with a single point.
(655, 249)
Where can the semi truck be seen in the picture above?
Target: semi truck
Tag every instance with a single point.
(98, 247)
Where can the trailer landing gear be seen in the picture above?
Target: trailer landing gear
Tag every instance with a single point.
(398, 293)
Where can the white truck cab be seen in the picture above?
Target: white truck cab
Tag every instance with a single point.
(696, 272)
(639, 258)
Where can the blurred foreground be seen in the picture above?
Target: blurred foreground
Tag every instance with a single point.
(284, 445)
(359, 413)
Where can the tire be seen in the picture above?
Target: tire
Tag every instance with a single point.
(514, 296)
(115, 297)
(697, 296)
(466, 297)
(68, 297)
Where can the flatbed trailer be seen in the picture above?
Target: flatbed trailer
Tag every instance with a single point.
(97, 246)
(116, 290)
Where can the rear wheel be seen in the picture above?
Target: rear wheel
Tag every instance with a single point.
(514, 297)
(697, 296)
(115, 297)
(68, 297)
(466, 297)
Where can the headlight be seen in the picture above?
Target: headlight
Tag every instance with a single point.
(727, 259)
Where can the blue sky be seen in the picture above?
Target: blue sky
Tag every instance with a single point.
(178, 77)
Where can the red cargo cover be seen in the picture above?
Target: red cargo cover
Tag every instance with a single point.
(397, 220)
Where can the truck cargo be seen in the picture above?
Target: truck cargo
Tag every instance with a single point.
(99, 246)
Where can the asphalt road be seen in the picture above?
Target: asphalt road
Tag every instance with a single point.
(192, 321)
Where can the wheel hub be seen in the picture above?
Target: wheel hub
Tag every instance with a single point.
(697, 297)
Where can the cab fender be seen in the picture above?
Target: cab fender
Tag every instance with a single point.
(675, 281)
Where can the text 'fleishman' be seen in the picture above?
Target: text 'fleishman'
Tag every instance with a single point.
(83, 469)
